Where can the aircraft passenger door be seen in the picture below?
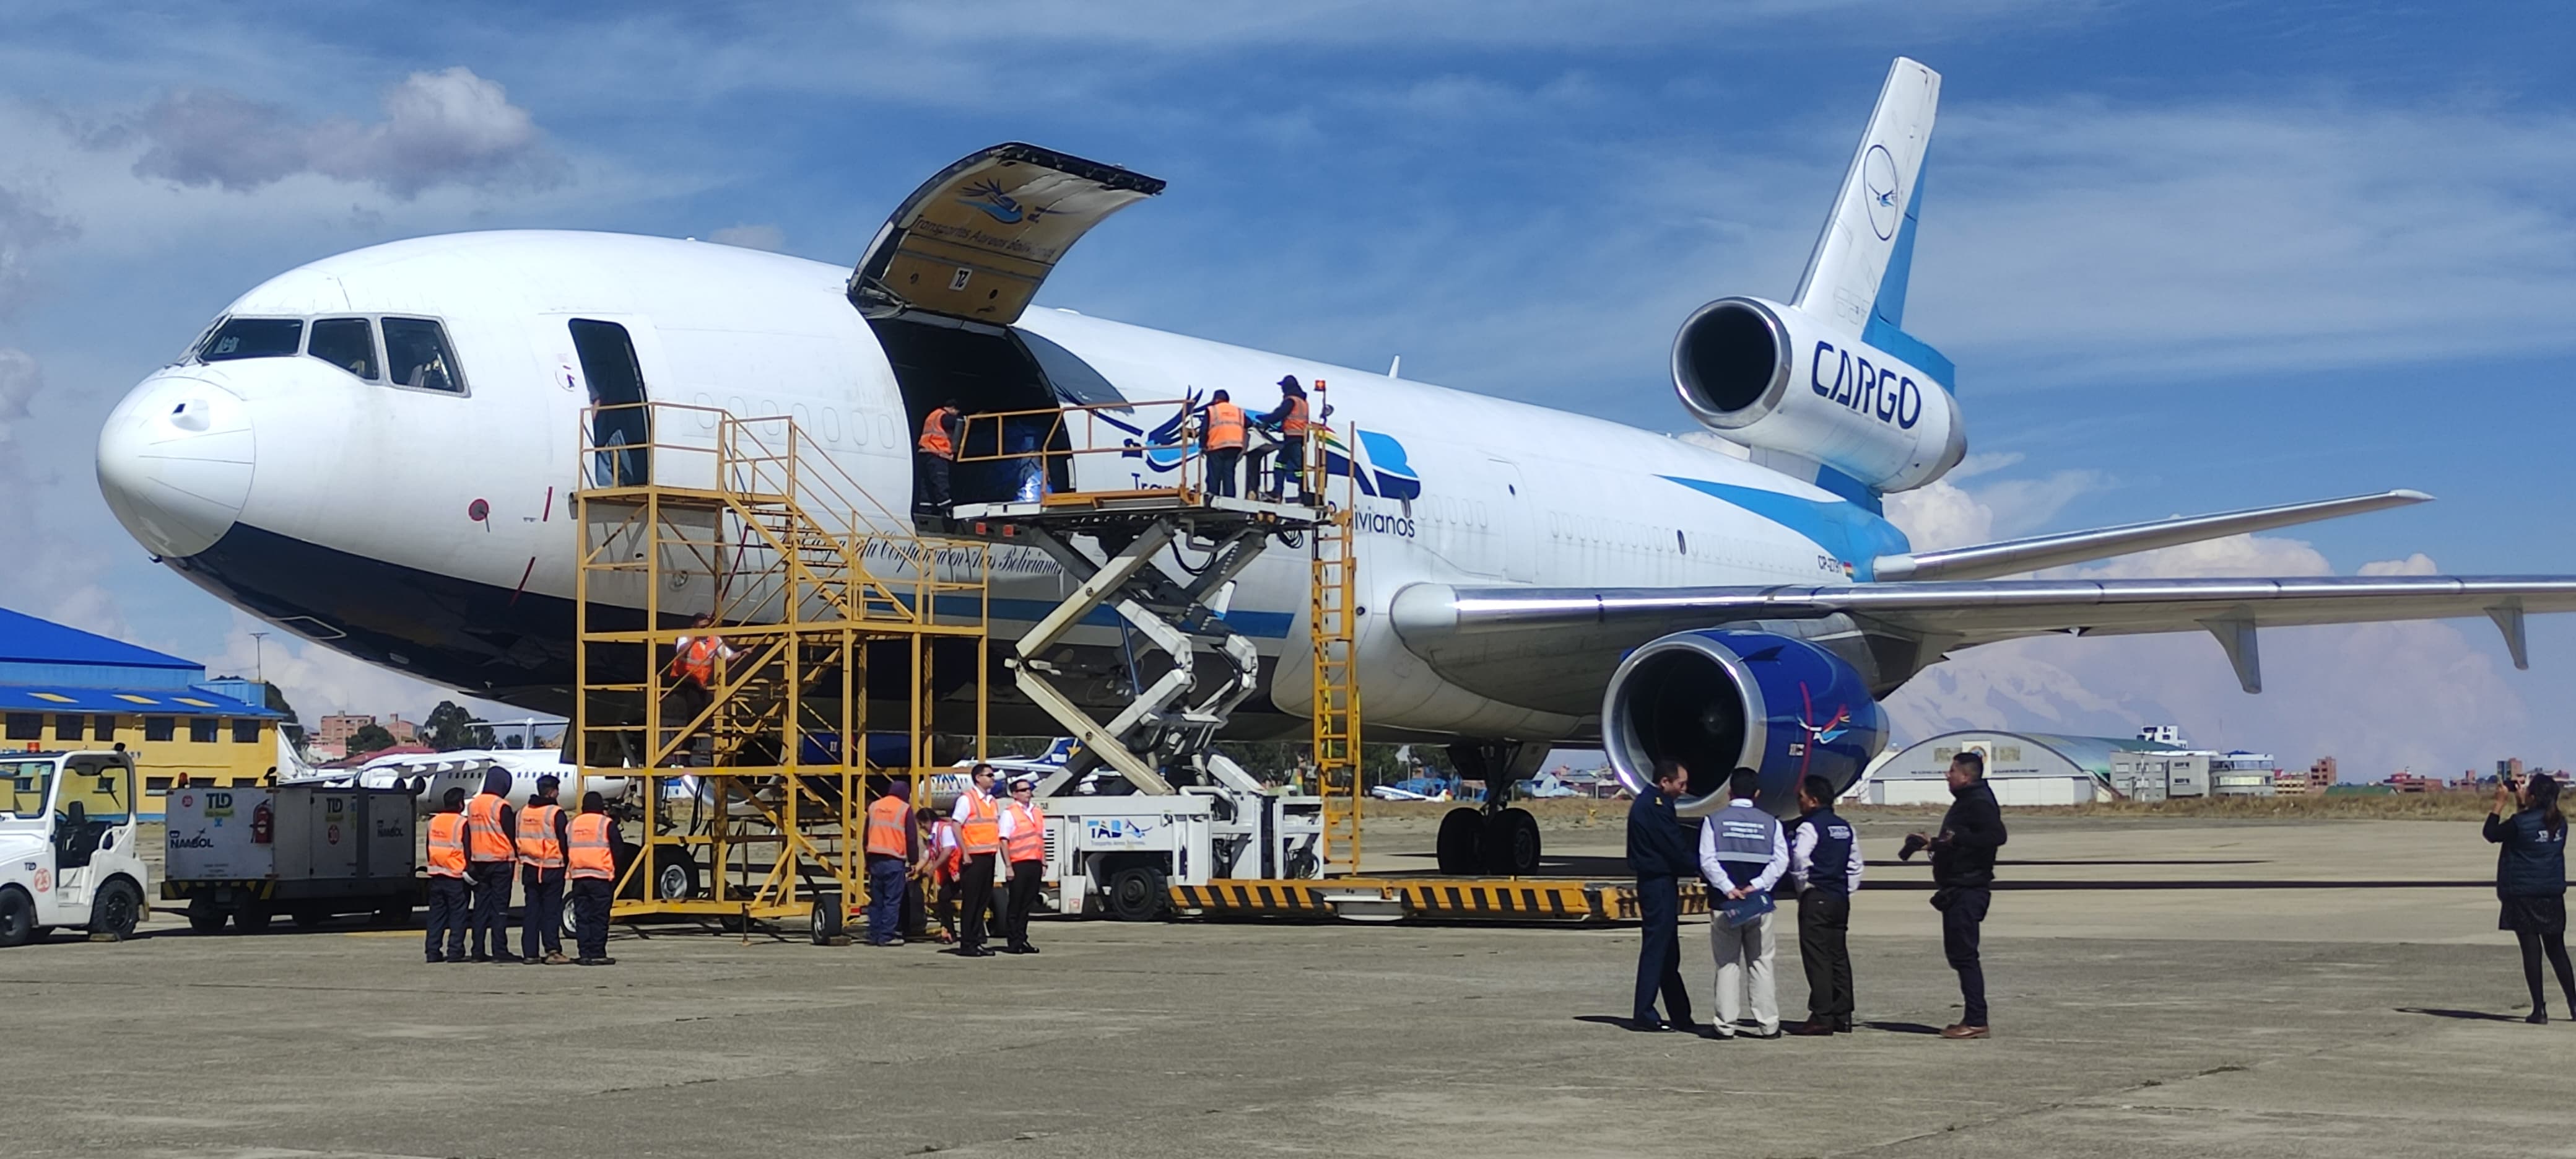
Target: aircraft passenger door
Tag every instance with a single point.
(1514, 542)
(616, 381)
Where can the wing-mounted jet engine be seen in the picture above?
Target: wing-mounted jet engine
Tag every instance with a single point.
(1720, 700)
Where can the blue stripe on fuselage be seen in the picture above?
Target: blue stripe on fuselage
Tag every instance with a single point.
(1851, 534)
(1887, 315)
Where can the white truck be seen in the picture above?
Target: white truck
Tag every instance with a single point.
(1118, 854)
(68, 851)
(312, 852)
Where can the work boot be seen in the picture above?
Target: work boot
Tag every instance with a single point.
(507, 959)
(1811, 1028)
(1963, 1030)
(480, 956)
(2539, 1016)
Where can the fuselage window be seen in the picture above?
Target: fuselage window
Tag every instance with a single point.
(253, 338)
(416, 351)
(348, 343)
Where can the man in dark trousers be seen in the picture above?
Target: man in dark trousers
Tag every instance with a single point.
(1825, 861)
(449, 897)
(590, 858)
(1963, 878)
(1661, 851)
(491, 852)
(544, 831)
(979, 833)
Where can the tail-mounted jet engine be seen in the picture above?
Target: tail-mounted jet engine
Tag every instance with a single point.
(1767, 375)
(1718, 700)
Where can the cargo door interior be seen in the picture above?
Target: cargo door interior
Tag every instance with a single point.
(956, 265)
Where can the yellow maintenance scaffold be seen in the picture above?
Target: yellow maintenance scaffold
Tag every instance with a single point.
(750, 619)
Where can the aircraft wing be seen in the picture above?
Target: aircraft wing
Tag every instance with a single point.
(1552, 648)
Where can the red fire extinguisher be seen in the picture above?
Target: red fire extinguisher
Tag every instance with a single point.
(263, 824)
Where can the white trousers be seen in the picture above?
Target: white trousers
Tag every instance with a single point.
(1744, 970)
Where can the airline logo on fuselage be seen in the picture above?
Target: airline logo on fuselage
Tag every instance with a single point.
(987, 196)
(1884, 393)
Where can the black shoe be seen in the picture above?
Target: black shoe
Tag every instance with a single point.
(1811, 1028)
(2538, 1017)
(478, 957)
(1028, 949)
(438, 961)
(1842, 1025)
(1646, 1025)
(507, 959)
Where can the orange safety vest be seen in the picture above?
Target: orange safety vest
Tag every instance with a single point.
(591, 855)
(447, 845)
(1028, 833)
(889, 826)
(539, 844)
(982, 830)
(1224, 426)
(484, 838)
(934, 434)
(1294, 426)
(697, 659)
(953, 856)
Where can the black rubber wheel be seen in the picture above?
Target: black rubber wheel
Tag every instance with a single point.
(309, 919)
(1462, 842)
(1511, 843)
(675, 874)
(1138, 893)
(116, 910)
(825, 924)
(253, 917)
(17, 918)
(205, 917)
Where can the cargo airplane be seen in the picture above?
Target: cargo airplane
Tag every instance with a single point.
(375, 451)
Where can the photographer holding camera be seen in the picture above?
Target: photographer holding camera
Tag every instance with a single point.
(2531, 880)
(1963, 878)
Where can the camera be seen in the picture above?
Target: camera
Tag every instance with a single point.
(1914, 843)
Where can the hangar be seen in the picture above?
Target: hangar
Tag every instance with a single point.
(63, 688)
(2025, 768)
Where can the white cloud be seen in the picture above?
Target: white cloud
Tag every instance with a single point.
(317, 680)
(756, 237)
(449, 127)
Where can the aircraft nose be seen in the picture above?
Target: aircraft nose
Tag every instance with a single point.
(174, 462)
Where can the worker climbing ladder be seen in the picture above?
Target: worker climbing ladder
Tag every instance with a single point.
(757, 636)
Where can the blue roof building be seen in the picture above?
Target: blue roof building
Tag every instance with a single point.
(63, 688)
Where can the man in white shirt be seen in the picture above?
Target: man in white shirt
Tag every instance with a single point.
(1742, 854)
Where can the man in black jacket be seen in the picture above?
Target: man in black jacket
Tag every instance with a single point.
(1660, 852)
(1963, 878)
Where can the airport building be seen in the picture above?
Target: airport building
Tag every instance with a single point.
(2025, 768)
(63, 688)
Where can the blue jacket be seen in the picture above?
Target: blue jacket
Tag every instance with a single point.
(2533, 860)
(1659, 845)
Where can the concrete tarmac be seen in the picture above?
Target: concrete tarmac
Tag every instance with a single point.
(2146, 1003)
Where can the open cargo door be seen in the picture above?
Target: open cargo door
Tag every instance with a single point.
(976, 241)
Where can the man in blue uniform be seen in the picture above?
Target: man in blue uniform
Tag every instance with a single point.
(1825, 862)
(1659, 853)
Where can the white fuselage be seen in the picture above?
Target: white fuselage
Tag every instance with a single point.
(428, 529)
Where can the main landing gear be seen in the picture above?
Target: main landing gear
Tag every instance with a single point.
(1495, 839)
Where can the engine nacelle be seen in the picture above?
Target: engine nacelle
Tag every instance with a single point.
(1720, 700)
(1767, 375)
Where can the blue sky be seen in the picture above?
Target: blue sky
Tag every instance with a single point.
(2188, 257)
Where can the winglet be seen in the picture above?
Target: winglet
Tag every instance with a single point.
(2508, 619)
(2236, 635)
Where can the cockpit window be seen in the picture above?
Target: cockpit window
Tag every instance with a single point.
(348, 343)
(416, 351)
(253, 338)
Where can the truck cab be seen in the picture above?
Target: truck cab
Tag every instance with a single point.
(69, 855)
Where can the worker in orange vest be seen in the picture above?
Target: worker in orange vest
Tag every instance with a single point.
(934, 452)
(1291, 419)
(979, 834)
(891, 845)
(491, 850)
(1223, 436)
(1024, 847)
(544, 830)
(448, 897)
(590, 870)
(937, 872)
(694, 661)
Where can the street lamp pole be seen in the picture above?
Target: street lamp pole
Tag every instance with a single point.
(259, 656)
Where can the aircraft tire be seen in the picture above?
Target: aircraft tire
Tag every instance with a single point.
(1512, 843)
(1462, 843)
(205, 917)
